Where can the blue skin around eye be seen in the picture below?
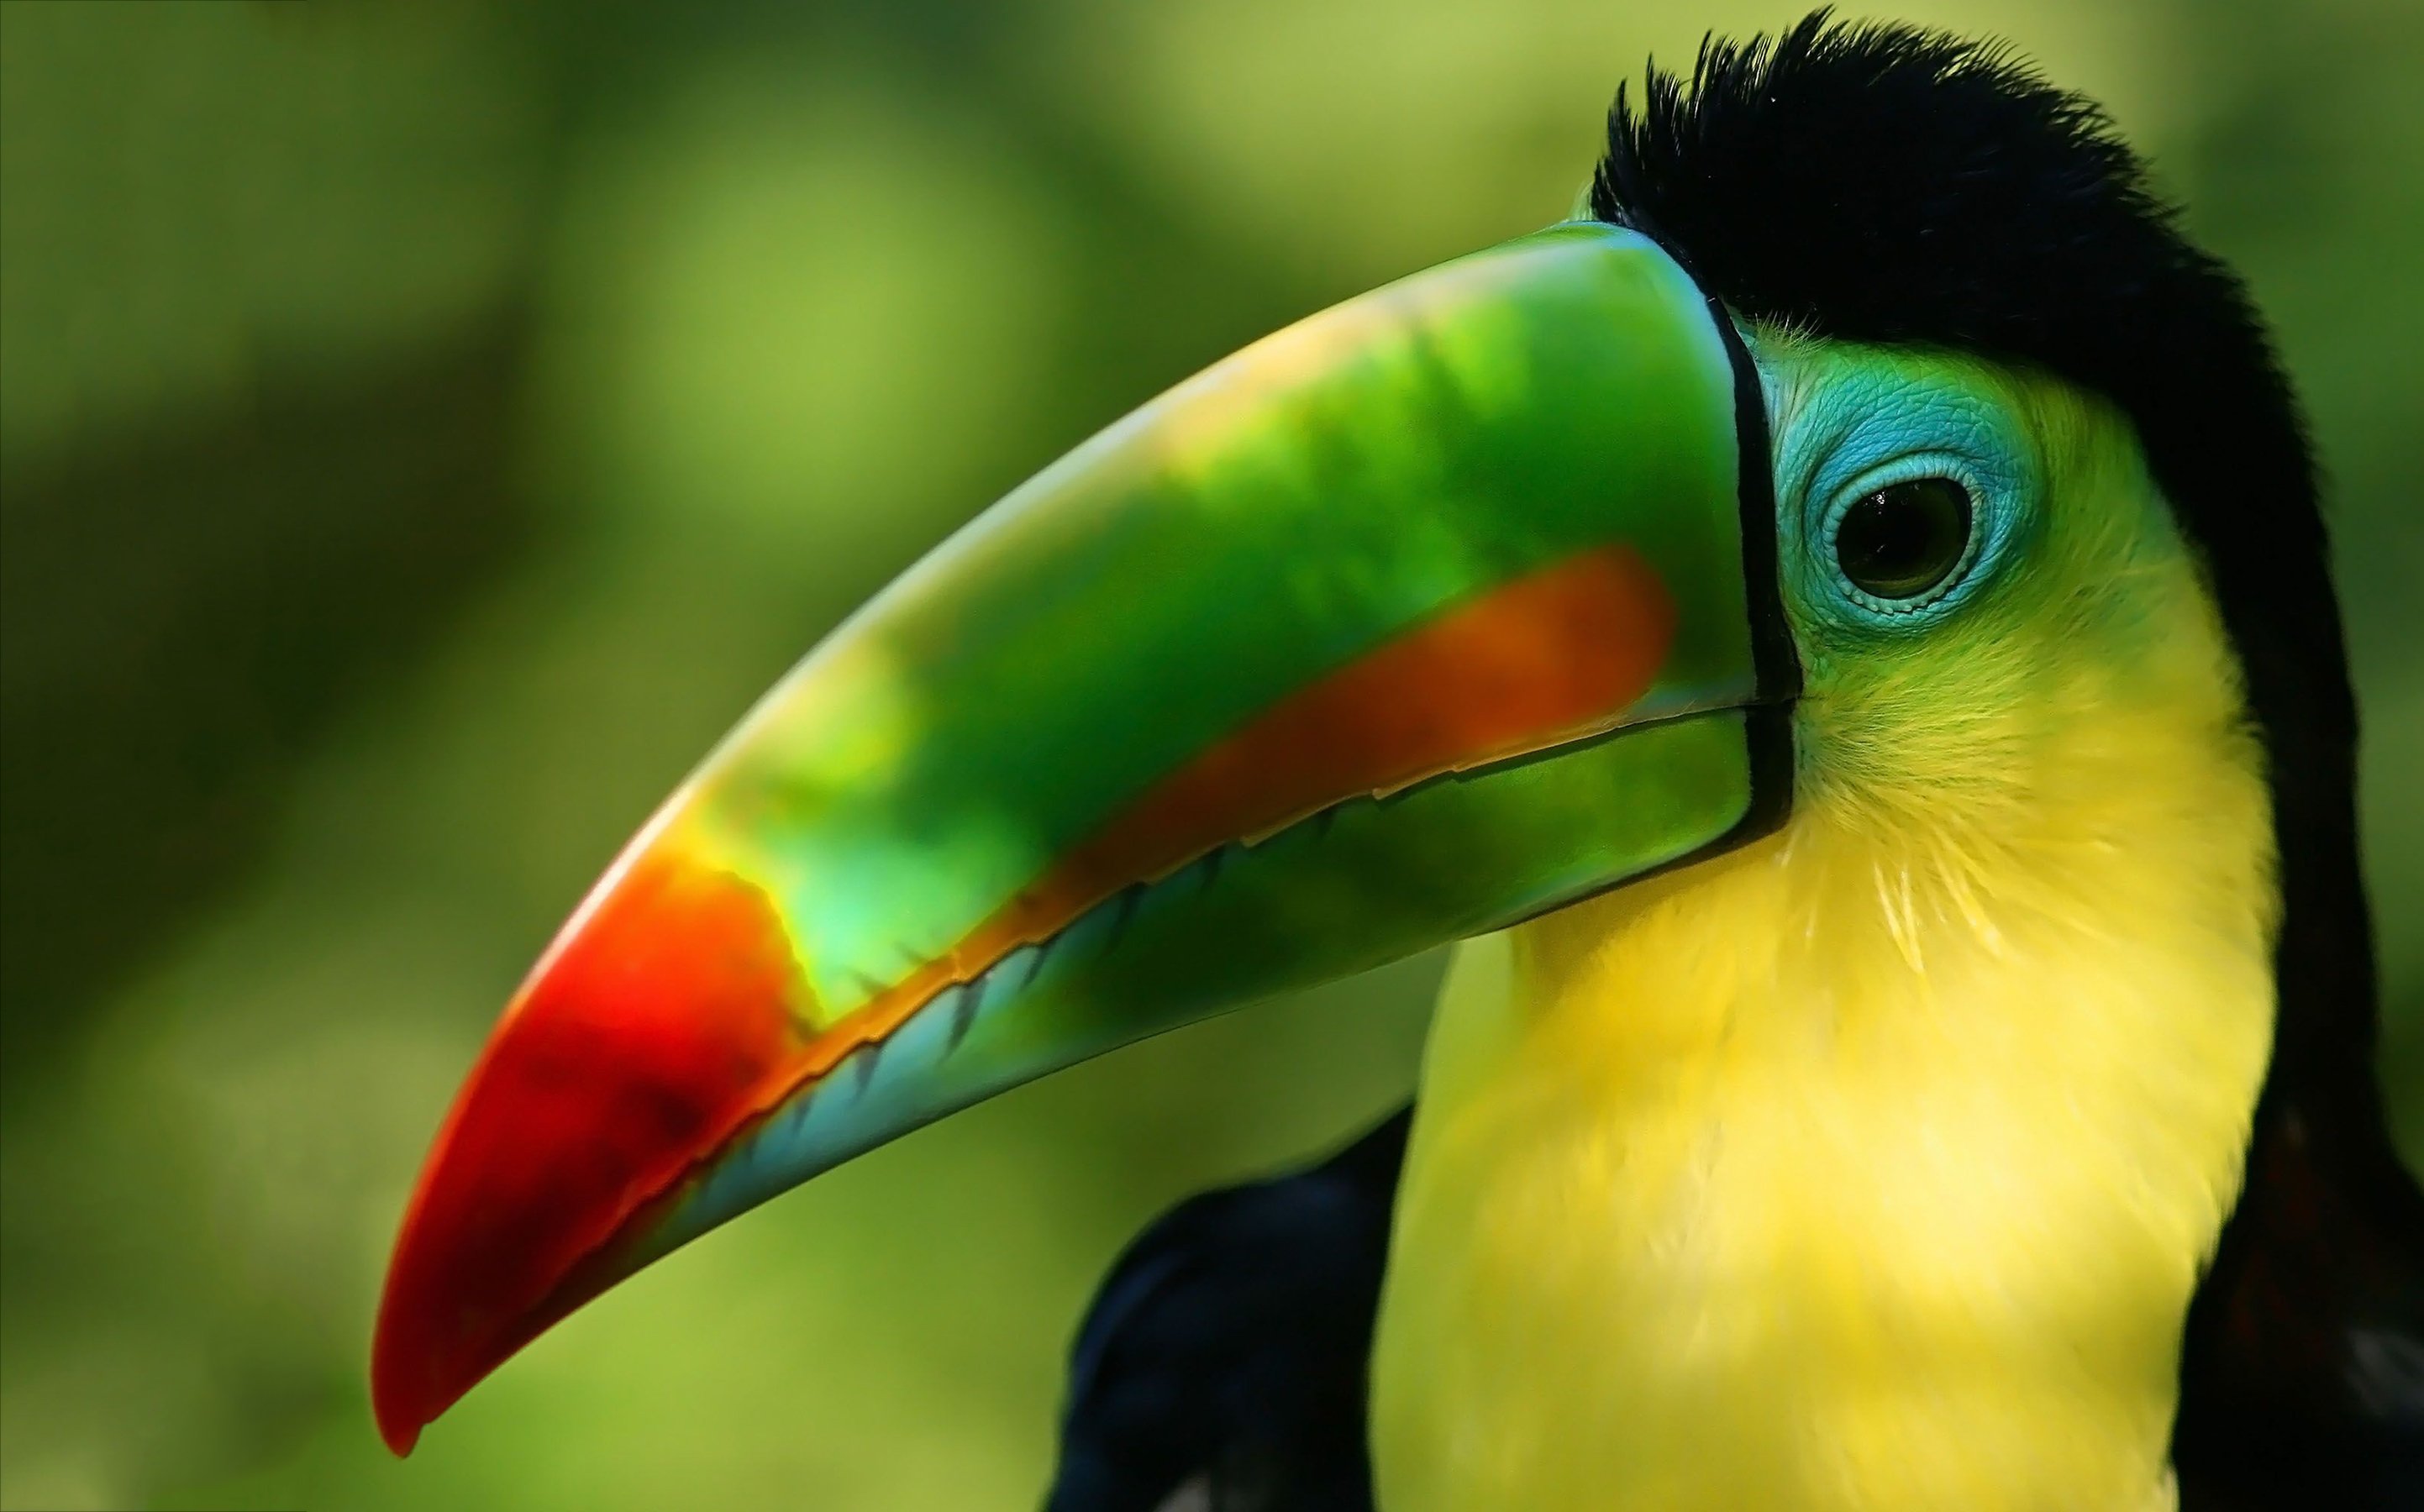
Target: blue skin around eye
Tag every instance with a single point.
(1860, 428)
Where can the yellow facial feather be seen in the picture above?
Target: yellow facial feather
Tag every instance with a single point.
(1871, 1166)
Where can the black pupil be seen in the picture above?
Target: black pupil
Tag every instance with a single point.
(1902, 540)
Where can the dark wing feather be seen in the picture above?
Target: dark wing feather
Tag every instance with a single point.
(2302, 1383)
(1221, 1366)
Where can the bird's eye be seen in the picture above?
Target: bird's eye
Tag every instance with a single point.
(1906, 538)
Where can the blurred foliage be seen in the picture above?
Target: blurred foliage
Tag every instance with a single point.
(425, 428)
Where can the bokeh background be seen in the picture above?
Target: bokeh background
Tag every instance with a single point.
(424, 427)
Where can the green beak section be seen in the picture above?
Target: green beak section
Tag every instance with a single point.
(1433, 611)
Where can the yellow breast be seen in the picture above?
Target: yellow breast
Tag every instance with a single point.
(1872, 1167)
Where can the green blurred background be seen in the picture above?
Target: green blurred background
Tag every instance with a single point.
(427, 427)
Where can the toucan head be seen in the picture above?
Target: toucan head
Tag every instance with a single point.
(1862, 415)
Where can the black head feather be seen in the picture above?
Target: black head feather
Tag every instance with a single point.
(1883, 183)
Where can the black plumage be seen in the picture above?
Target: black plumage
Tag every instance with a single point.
(1222, 1365)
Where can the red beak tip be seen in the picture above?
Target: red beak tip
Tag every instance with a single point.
(400, 1436)
(400, 1417)
(649, 1034)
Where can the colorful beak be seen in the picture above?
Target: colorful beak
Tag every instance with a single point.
(1440, 609)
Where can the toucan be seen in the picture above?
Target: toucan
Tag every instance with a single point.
(1839, 627)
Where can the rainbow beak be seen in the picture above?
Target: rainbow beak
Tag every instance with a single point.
(1438, 610)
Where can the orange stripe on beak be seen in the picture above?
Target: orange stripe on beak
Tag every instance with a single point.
(1550, 656)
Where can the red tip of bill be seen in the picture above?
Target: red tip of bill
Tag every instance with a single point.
(638, 1044)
